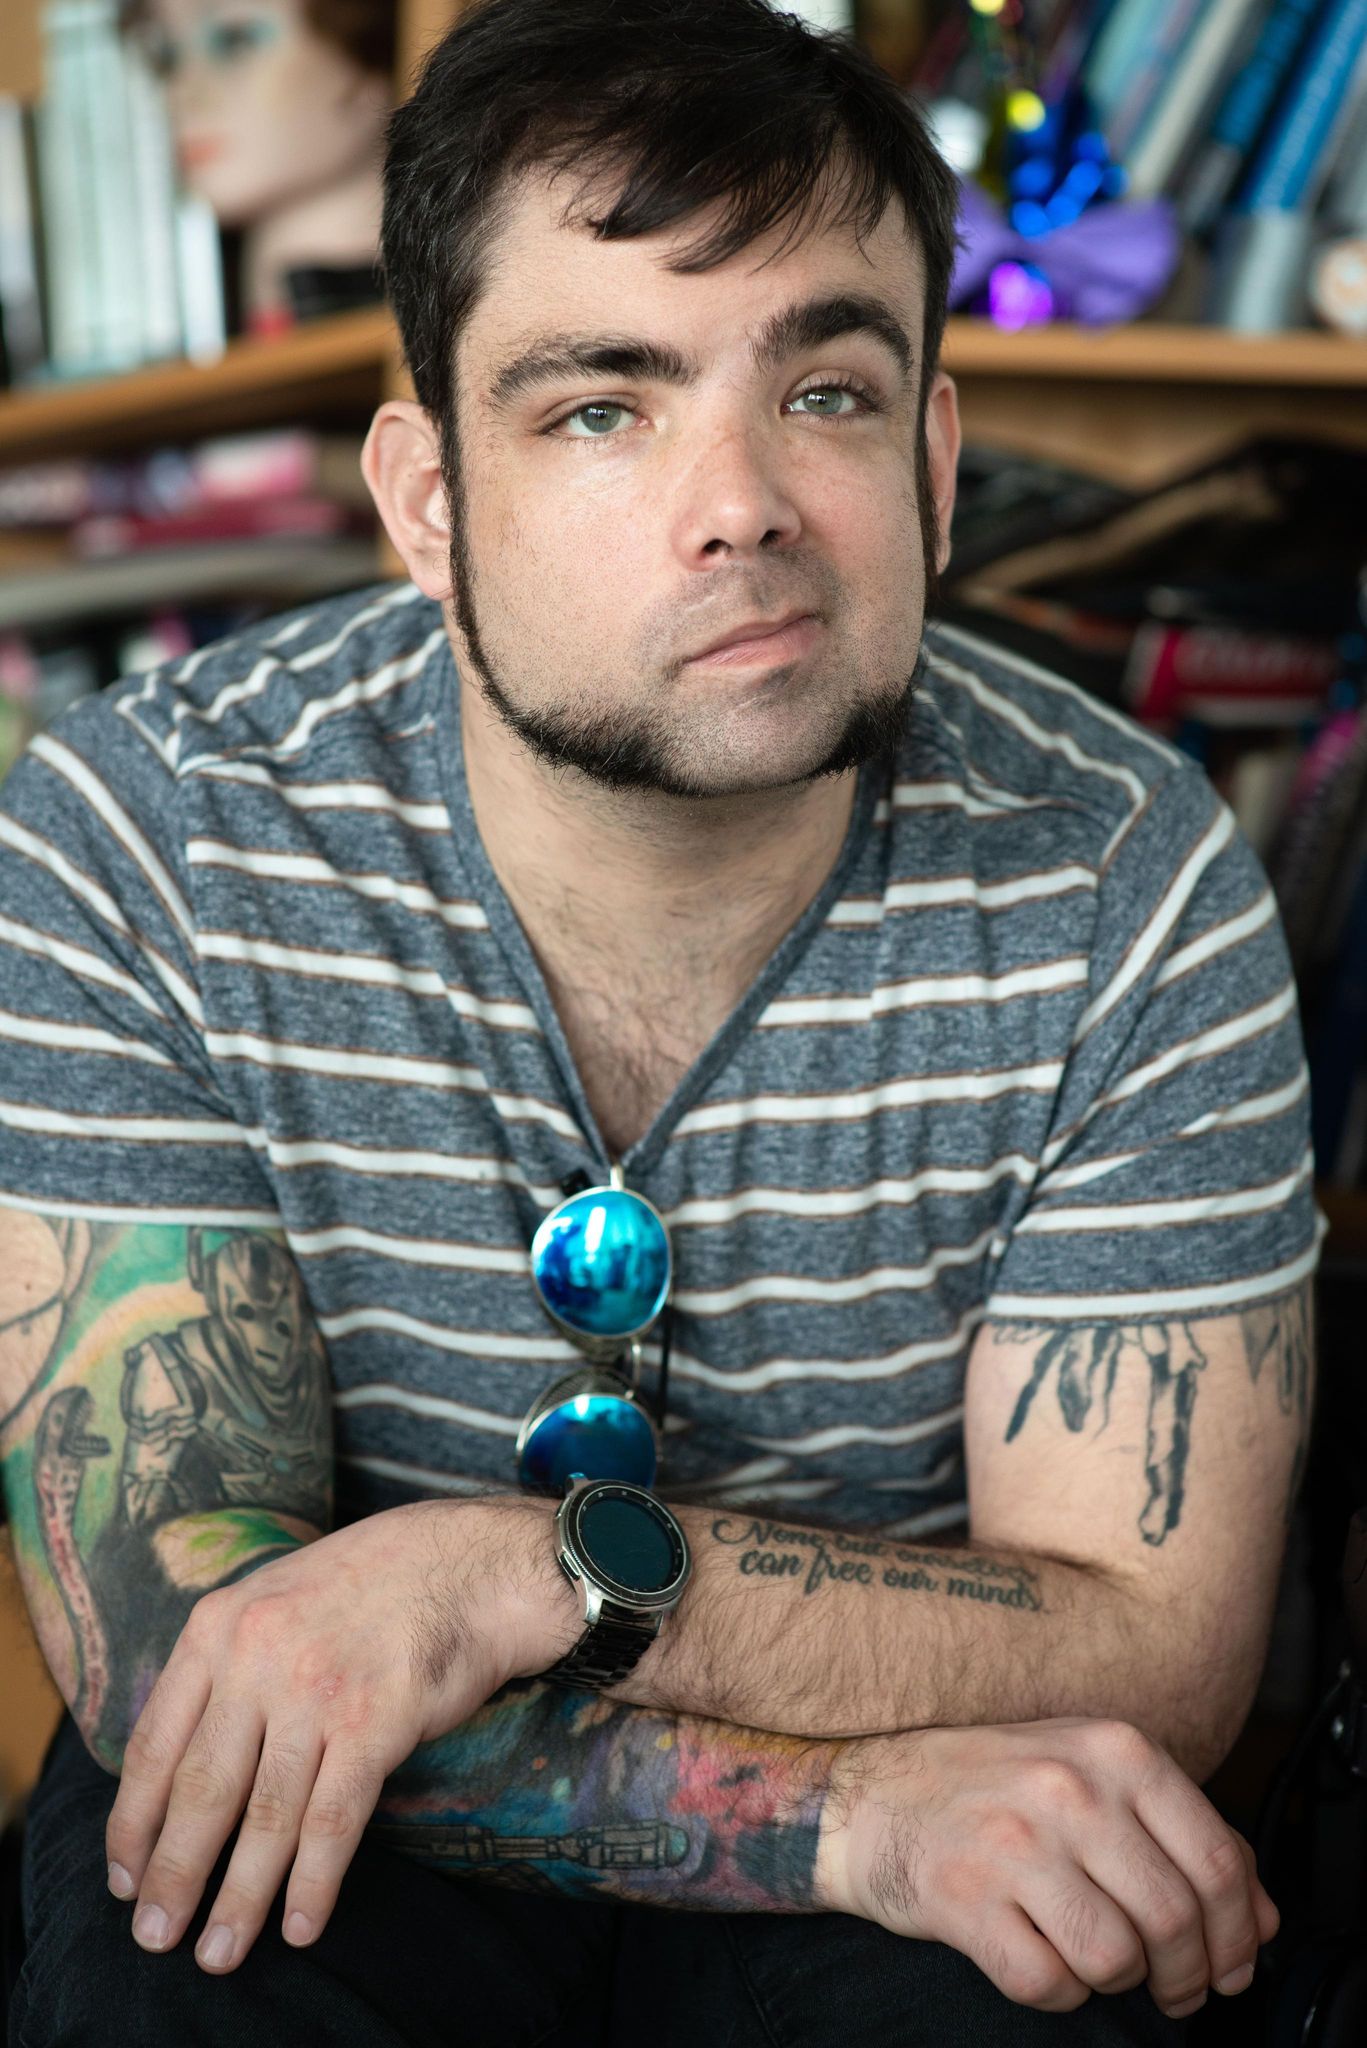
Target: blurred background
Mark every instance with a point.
(1159, 335)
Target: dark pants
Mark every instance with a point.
(411, 1956)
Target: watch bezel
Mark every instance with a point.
(568, 1518)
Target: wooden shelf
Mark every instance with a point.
(1149, 353)
(323, 369)
(1046, 389)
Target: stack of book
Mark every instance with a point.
(104, 263)
(109, 568)
(1226, 610)
(1250, 116)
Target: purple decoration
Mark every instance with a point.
(1107, 265)
(1018, 295)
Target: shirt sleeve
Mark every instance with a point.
(1177, 1178)
(109, 1108)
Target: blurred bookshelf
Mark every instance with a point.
(1139, 400)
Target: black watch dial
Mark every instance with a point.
(627, 1542)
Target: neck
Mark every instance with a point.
(660, 897)
(337, 228)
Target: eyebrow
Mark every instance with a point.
(806, 324)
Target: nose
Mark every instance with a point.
(735, 496)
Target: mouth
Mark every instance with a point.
(757, 644)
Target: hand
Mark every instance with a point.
(1062, 1857)
(295, 1692)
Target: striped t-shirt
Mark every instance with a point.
(1032, 1052)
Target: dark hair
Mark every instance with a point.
(687, 103)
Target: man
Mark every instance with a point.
(942, 1015)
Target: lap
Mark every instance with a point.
(826, 1980)
(412, 1957)
(409, 1957)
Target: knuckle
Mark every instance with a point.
(147, 1749)
(1180, 1991)
(269, 1812)
(202, 1784)
(1056, 1783)
(329, 1819)
(1049, 1986)
(1117, 1966)
(1125, 1747)
(1171, 1917)
(169, 1873)
(1223, 1869)
(1005, 1833)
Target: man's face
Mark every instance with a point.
(650, 460)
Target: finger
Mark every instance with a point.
(161, 1735)
(265, 1847)
(1093, 1936)
(1024, 1965)
(1210, 1856)
(348, 1788)
(1162, 1907)
(1265, 1911)
(208, 1794)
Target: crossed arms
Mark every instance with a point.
(1128, 1497)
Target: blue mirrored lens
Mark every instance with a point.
(600, 1435)
(601, 1262)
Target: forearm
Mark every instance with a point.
(551, 1789)
(826, 1634)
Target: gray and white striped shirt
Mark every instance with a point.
(1032, 1052)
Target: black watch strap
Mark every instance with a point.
(608, 1650)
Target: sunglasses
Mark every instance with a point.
(602, 1268)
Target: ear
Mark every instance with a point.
(943, 437)
(401, 464)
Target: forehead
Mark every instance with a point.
(547, 271)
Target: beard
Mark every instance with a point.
(627, 749)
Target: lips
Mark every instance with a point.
(750, 630)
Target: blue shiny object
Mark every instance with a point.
(601, 1264)
(598, 1434)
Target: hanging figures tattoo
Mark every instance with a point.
(1086, 1360)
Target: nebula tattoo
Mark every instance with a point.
(1087, 1358)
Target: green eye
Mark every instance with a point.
(227, 41)
(596, 413)
(825, 393)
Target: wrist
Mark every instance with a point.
(541, 1612)
(842, 1858)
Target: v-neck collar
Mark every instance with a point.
(639, 1158)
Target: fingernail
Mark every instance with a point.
(297, 1928)
(1179, 2012)
(120, 1883)
(216, 1948)
(151, 1926)
(1237, 1980)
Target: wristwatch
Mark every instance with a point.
(628, 1552)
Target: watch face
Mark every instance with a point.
(625, 1541)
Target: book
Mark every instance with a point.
(1330, 786)
(1292, 166)
(1217, 45)
(22, 347)
(125, 533)
(1170, 28)
(1240, 117)
(281, 462)
(1226, 676)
